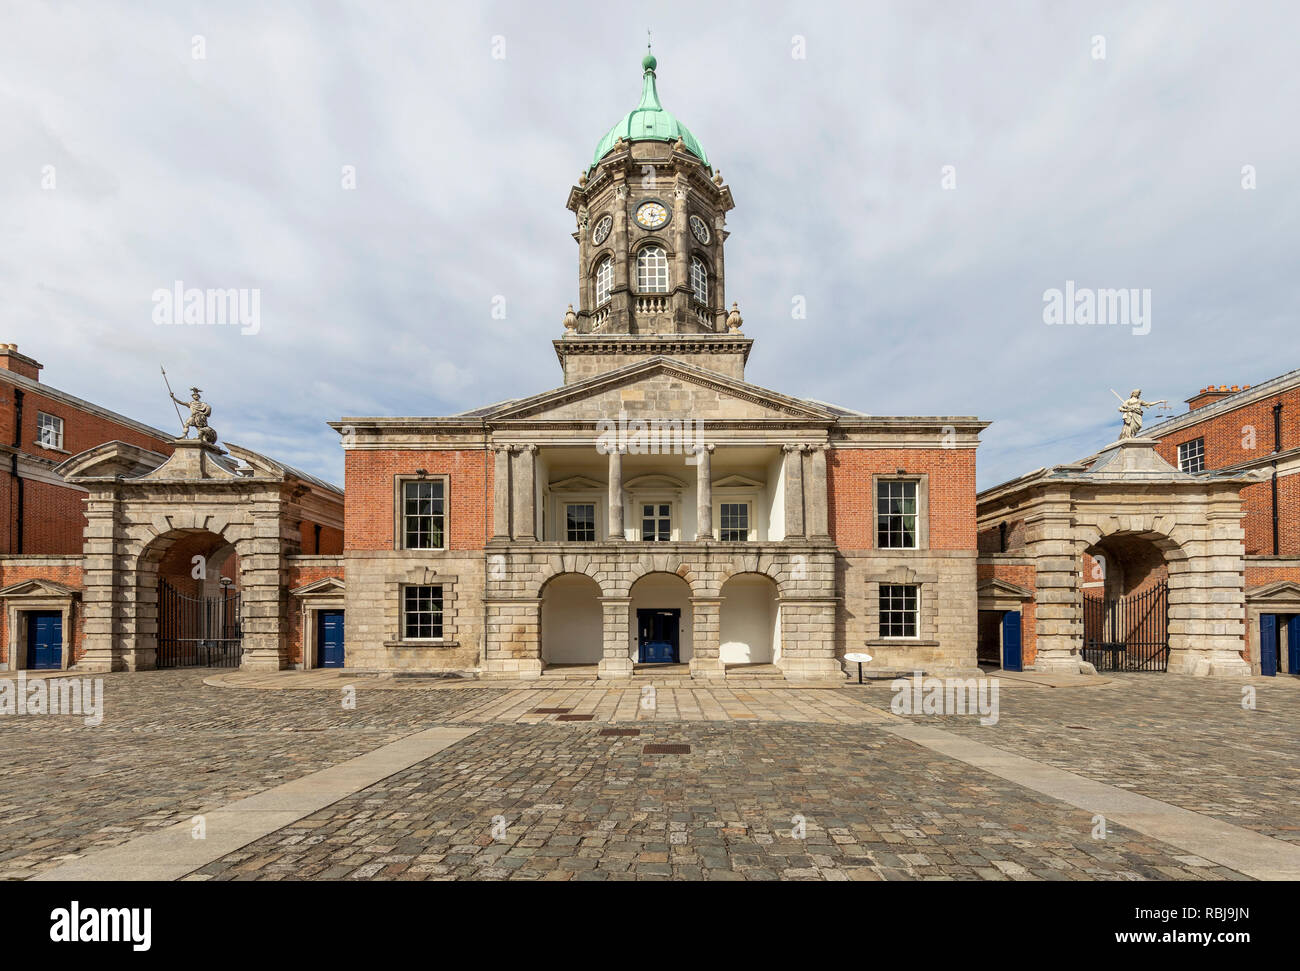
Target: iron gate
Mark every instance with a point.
(198, 631)
(1128, 633)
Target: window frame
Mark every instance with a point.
(751, 531)
(595, 519)
(673, 521)
(922, 532)
(399, 512)
(604, 267)
(57, 446)
(699, 293)
(641, 287)
(882, 610)
(441, 613)
(1199, 455)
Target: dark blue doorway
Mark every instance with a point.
(329, 639)
(44, 640)
(1011, 653)
(1268, 644)
(1293, 644)
(657, 634)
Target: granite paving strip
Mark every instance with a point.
(171, 853)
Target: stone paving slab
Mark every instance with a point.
(553, 802)
(170, 748)
(1181, 740)
(173, 852)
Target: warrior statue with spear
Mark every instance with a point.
(200, 412)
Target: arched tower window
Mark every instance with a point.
(604, 281)
(700, 280)
(652, 270)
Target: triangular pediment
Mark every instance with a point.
(1280, 590)
(37, 588)
(576, 483)
(660, 388)
(319, 587)
(736, 481)
(995, 587)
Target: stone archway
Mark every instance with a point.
(750, 625)
(185, 594)
(572, 621)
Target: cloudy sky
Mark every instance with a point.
(130, 163)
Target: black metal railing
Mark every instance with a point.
(198, 631)
(1128, 633)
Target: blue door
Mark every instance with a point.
(1011, 641)
(1268, 644)
(657, 635)
(1293, 644)
(44, 640)
(329, 639)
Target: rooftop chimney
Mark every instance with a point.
(11, 360)
(1212, 393)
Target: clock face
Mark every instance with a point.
(651, 215)
(700, 229)
(601, 232)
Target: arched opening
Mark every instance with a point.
(572, 621)
(1125, 587)
(750, 625)
(660, 623)
(188, 596)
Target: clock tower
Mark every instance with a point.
(651, 218)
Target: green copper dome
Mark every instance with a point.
(648, 122)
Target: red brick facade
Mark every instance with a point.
(950, 477)
(371, 476)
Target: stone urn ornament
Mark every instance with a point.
(570, 321)
(734, 320)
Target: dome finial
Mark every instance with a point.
(648, 63)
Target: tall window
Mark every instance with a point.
(604, 281)
(49, 430)
(1191, 455)
(422, 613)
(652, 270)
(700, 280)
(733, 522)
(423, 514)
(896, 515)
(580, 522)
(656, 522)
(899, 609)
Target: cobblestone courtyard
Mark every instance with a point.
(777, 782)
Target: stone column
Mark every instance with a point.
(501, 492)
(262, 608)
(703, 492)
(617, 660)
(524, 493)
(1058, 607)
(793, 490)
(815, 497)
(706, 646)
(100, 596)
(616, 493)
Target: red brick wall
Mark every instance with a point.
(53, 519)
(1226, 440)
(370, 494)
(951, 473)
(1258, 576)
(331, 539)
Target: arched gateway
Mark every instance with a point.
(187, 550)
(1133, 563)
